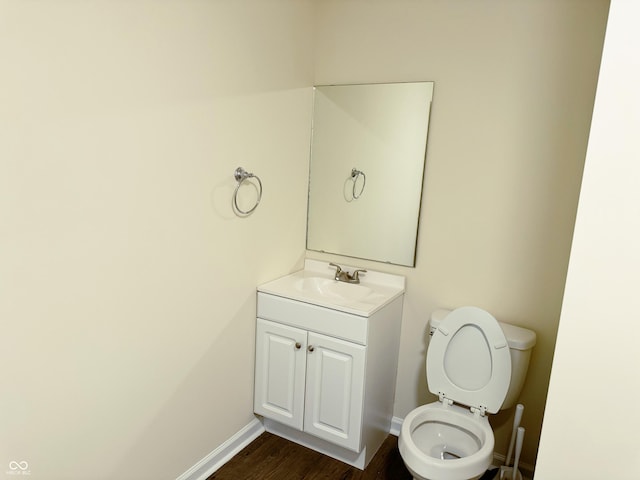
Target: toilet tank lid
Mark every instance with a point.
(518, 338)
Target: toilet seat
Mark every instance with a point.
(468, 361)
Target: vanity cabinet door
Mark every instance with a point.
(281, 358)
(334, 390)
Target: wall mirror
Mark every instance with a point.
(366, 170)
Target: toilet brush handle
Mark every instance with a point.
(517, 418)
(519, 440)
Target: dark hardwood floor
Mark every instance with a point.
(270, 457)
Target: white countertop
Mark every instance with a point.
(316, 285)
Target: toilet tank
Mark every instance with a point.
(521, 341)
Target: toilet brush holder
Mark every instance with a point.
(512, 473)
(506, 473)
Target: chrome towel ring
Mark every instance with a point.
(355, 174)
(241, 175)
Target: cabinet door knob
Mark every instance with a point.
(298, 345)
(311, 348)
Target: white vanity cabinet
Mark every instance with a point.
(326, 378)
(310, 382)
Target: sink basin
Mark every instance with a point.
(332, 288)
(316, 284)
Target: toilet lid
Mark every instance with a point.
(468, 360)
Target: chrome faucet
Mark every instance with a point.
(344, 276)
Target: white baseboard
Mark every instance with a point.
(396, 425)
(525, 468)
(221, 455)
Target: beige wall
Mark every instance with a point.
(514, 90)
(595, 386)
(127, 285)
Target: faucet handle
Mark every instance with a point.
(338, 267)
(356, 274)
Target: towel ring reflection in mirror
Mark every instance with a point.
(355, 174)
(241, 175)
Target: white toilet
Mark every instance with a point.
(476, 366)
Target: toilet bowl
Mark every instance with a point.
(469, 368)
(457, 443)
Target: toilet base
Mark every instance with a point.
(474, 478)
(477, 477)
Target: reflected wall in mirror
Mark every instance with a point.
(367, 164)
